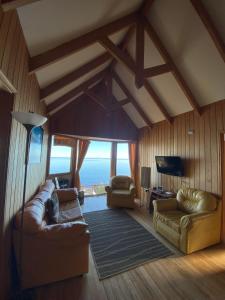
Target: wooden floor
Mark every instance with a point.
(198, 276)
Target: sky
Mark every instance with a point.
(96, 150)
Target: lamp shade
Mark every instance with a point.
(145, 177)
(29, 118)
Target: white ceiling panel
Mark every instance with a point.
(134, 115)
(49, 23)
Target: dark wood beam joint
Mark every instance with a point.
(140, 45)
(157, 70)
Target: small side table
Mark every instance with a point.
(158, 194)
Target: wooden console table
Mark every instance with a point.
(158, 194)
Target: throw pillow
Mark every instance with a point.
(52, 206)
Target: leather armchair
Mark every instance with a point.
(120, 192)
(190, 222)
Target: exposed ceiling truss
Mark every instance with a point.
(13, 4)
(137, 22)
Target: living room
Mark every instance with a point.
(112, 127)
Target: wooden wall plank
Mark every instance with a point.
(14, 66)
(201, 151)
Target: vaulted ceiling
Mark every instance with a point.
(159, 58)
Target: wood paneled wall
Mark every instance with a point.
(14, 65)
(84, 117)
(201, 151)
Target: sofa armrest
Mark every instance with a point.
(165, 204)
(189, 221)
(65, 195)
(63, 232)
(132, 189)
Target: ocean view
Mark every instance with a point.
(93, 171)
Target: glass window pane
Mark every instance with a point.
(60, 159)
(95, 170)
(122, 162)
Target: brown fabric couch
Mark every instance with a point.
(120, 192)
(52, 252)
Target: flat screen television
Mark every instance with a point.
(170, 165)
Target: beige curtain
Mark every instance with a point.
(81, 152)
(113, 159)
(133, 159)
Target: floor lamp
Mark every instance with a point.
(29, 120)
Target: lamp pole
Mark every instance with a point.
(29, 120)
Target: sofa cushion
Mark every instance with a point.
(121, 192)
(48, 186)
(121, 182)
(171, 218)
(33, 216)
(52, 206)
(69, 211)
(43, 196)
(65, 195)
(195, 201)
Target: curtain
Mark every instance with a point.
(113, 159)
(81, 152)
(133, 159)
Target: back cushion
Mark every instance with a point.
(48, 186)
(195, 201)
(33, 216)
(52, 205)
(121, 182)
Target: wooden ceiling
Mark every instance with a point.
(158, 58)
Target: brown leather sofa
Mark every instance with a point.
(52, 252)
(190, 222)
(120, 192)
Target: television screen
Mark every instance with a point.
(36, 145)
(170, 165)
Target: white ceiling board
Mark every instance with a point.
(62, 67)
(51, 98)
(59, 69)
(49, 23)
(152, 57)
(171, 95)
(141, 95)
(192, 49)
(134, 115)
(117, 92)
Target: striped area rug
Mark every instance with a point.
(120, 243)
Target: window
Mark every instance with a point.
(95, 170)
(60, 159)
(122, 162)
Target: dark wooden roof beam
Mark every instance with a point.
(168, 59)
(14, 4)
(140, 54)
(75, 92)
(118, 54)
(131, 98)
(96, 99)
(74, 75)
(157, 70)
(210, 27)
